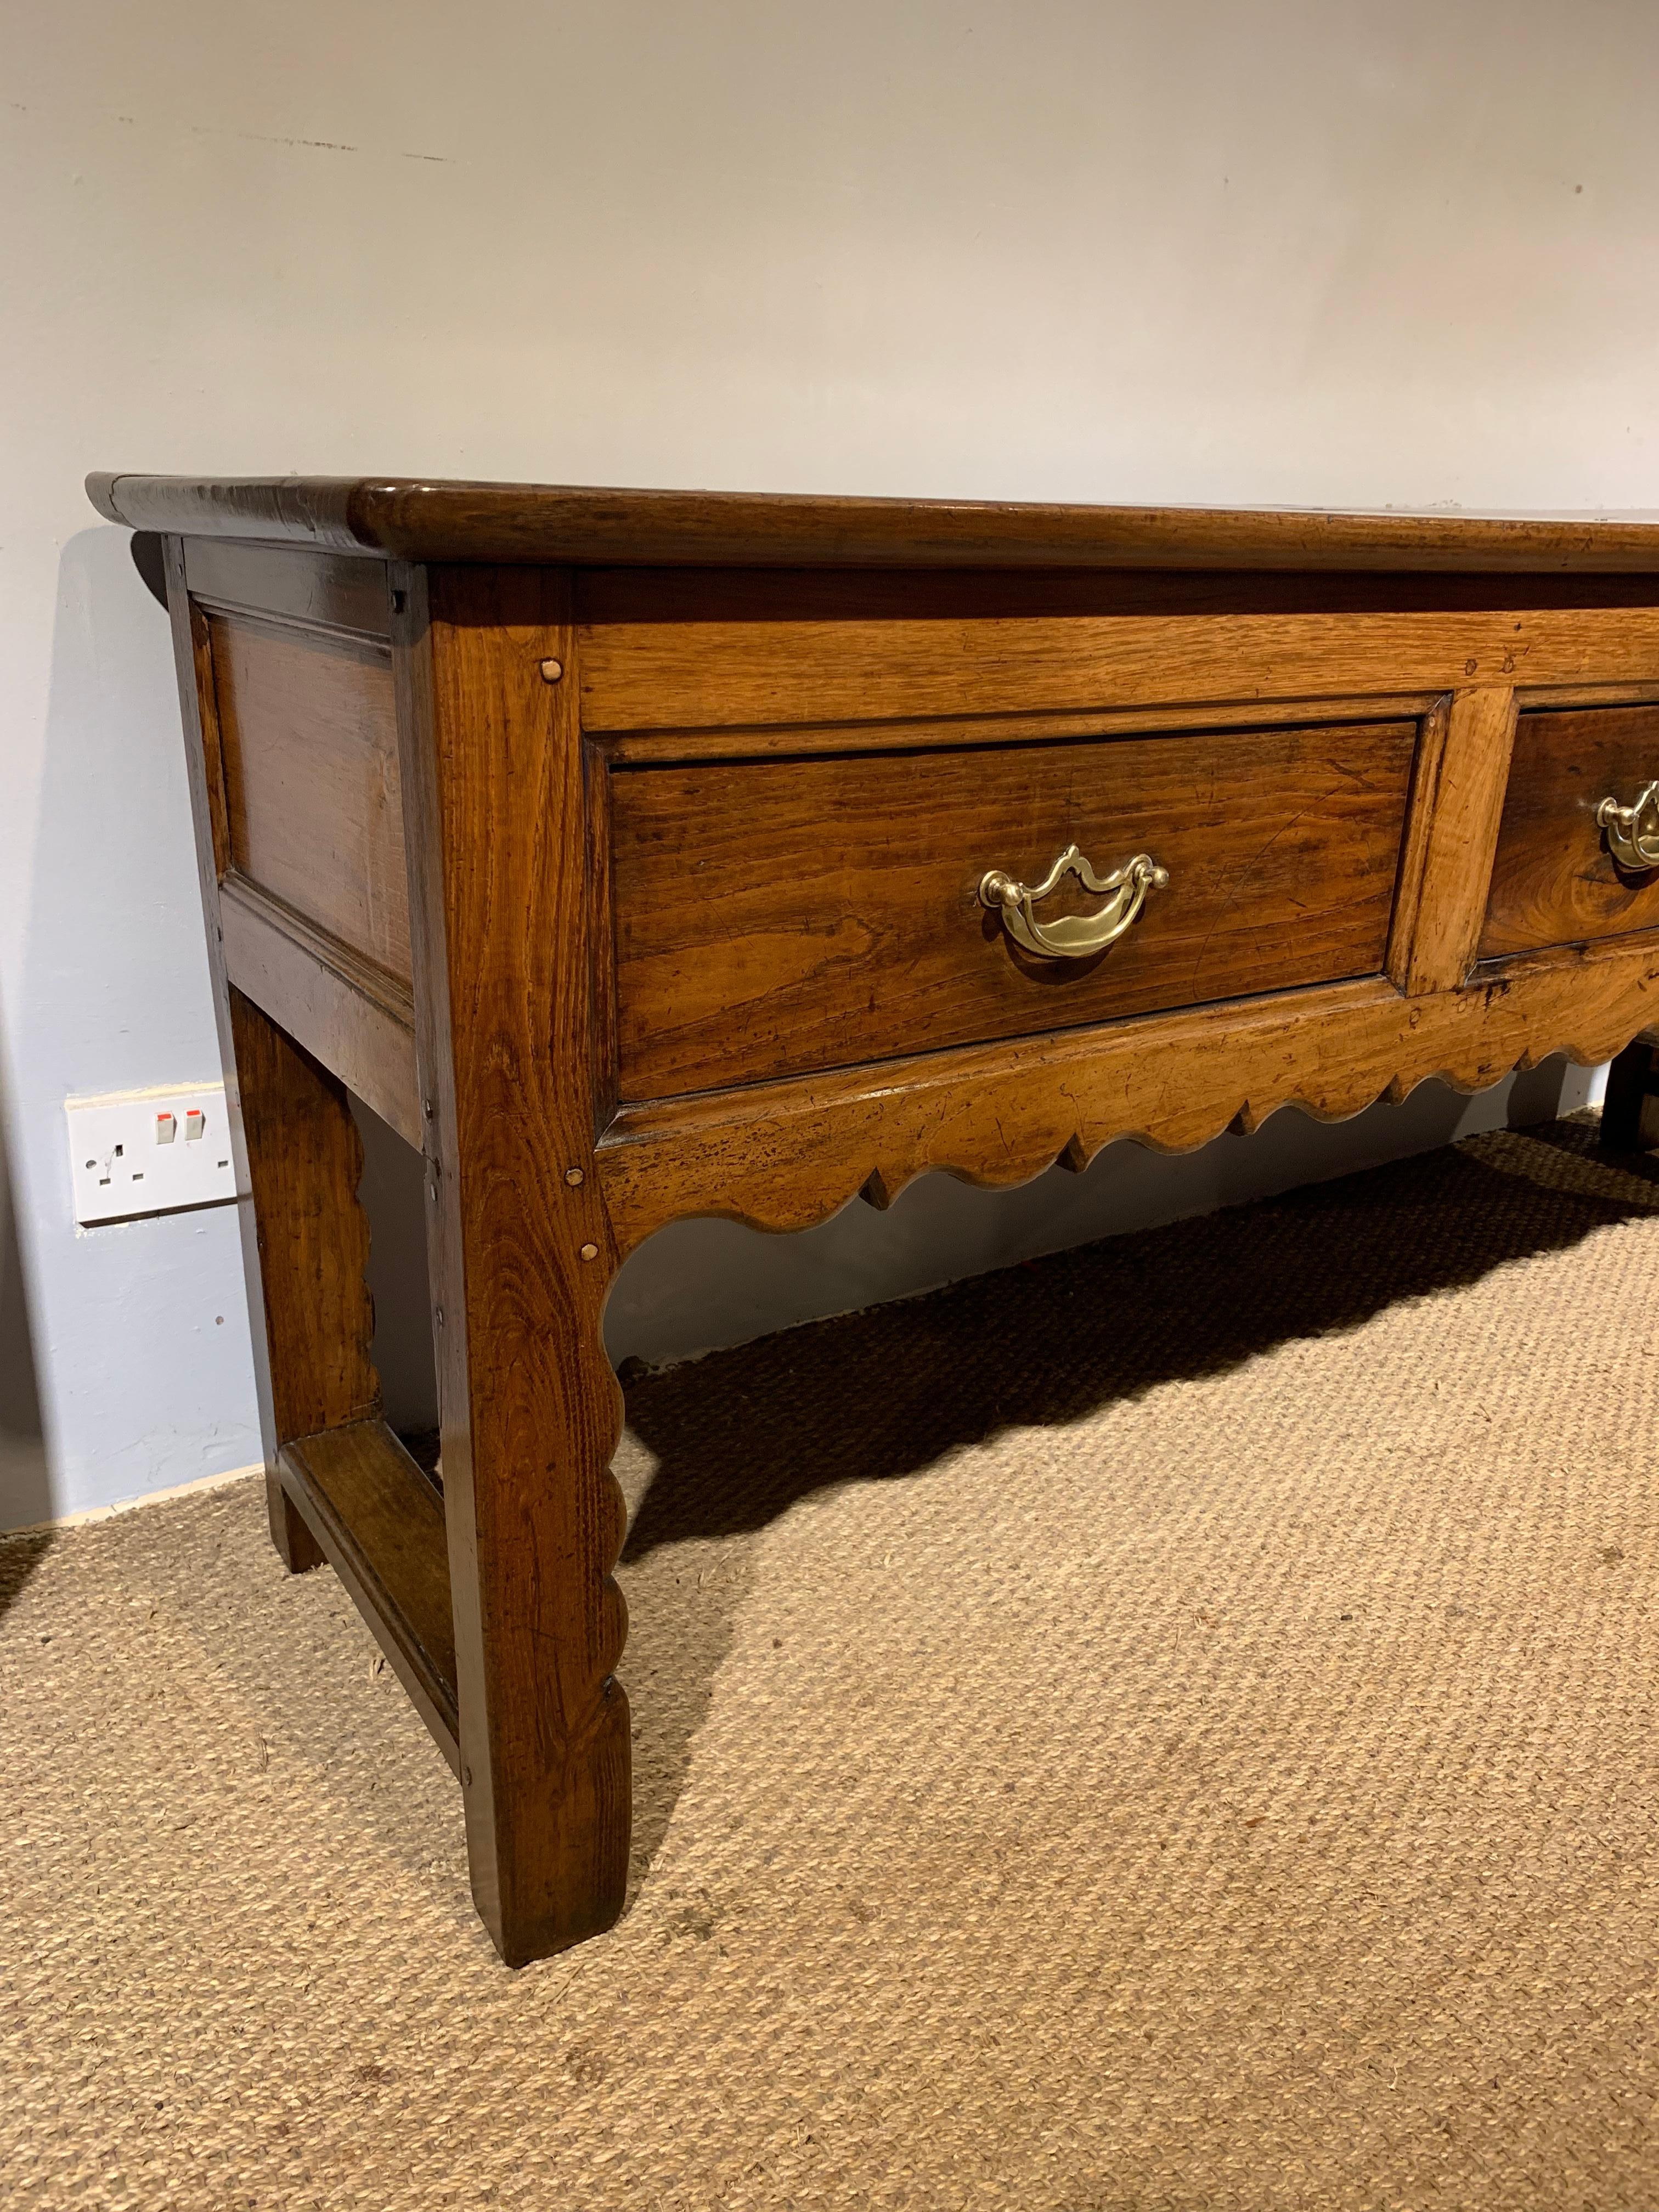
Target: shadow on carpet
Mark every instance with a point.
(740, 1436)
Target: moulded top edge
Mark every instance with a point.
(410, 518)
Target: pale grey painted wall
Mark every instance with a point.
(1307, 251)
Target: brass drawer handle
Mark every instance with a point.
(1074, 935)
(1632, 845)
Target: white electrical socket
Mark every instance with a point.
(149, 1151)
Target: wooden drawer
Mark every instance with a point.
(777, 916)
(1555, 880)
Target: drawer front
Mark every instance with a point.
(777, 916)
(1555, 880)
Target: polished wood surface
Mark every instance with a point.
(1554, 881)
(348, 1014)
(1408, 913)
(295, 773)
(688, 861)
(777, 916)
(305, 1239)
(281, 583)
(308, 748)
(522, 1252)
(413, 520)
(1460, 797)
(957, 733)
(679, 676)
(786, 1156)
(379, 1522)
(659, 598)
(303, 1161)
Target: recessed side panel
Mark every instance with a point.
(307, 734)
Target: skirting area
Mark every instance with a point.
(1172, 1725)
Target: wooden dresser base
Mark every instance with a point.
(626, 853)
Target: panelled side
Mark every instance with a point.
(294, 673)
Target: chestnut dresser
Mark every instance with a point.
(641, 854)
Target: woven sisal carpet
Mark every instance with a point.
(1172, 1726)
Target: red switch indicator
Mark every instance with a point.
(195, 1121)
(166, 1128)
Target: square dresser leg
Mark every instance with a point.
(1630, 1112)
(521, 1249)
(536, 1522)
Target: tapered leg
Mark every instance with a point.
(502, 901)
(1630, 1112)
(314, 1318)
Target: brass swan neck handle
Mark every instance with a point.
(1072, 935)
(1633, 830)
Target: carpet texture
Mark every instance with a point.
(1170, 1726)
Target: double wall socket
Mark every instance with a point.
(149, 1151)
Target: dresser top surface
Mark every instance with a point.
(408, 518)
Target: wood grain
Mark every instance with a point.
(1553, 880)
(775, 917)
(313, 1314)
(318, 590)
(305, 1239)
(307, 734)
(1419, 826)
(530, 1412)
(607, 598)
(786, 1156)
(353, 1016)
(704, 675)
(305, 1162)
(956, 733)
(413, 519)
(758, 862)
(380, 1525)
(203, 749)
(1455, 806)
